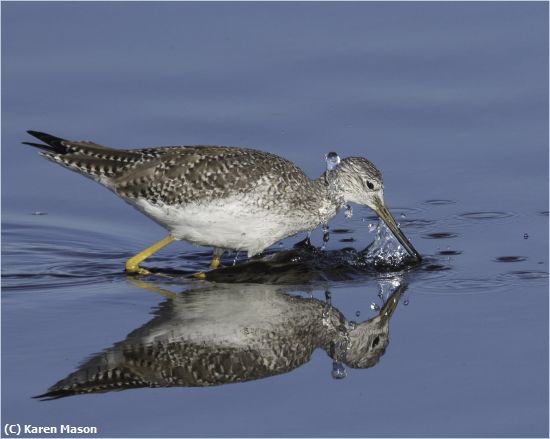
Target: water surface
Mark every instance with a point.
(449, 100)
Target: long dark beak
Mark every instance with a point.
(382, 211)
(390, 305)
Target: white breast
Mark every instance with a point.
(229, 223)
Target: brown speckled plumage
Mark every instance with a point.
(178, 174)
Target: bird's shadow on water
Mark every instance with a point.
(217, 334)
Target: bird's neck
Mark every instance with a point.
(329, 197)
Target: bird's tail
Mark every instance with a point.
(51, 143)
(90, 159)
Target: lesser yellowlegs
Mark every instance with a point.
(223, 197)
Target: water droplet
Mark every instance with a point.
(357, 313)
(375, 306)
(236, 258)
(349, 211)
(38, 212)
(325, 314)
(332, 160)
(326, 236)
(338, 370)
(406, 302)
(525, 236)
(403, 215)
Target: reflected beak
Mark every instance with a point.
(382, 211)
(391, 304)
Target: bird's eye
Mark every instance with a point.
(370, 184)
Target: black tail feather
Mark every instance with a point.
(48, 396)
(51, 143)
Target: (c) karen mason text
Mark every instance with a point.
(24, 429)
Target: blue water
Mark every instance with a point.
(448, 99)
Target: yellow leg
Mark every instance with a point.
(150, 287)
(216, 260)
(132, 264)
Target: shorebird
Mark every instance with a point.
(227, 198)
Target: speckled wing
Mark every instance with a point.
(190, 174)
(179, 174)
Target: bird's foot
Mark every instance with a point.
(136, 269)
(200, 275)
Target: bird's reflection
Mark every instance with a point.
(229, 333)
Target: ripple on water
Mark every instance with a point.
(419, 223)
(341, 231)
(449, 252)
(464, 286)
(347, 240)
(435, 267)
(439, 202)
(510, 259)
(485, 216)
(440, 235)
(526, 275)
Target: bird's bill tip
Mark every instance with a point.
(383, 212)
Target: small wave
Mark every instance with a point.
(449, 252)
(439, 202)
(526, 275)
(463, 286)
(440, 235)
(485, 216)
(341, 231)
(510, 259)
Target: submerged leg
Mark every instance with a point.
(132, 264)
(216, 260)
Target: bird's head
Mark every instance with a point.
(356, 180)
(369, 340)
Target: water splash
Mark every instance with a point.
(385, 251)
(386, 287)
(338, 370)
(348, 212)
(333, 160)
(326, 309)
(326, 236)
